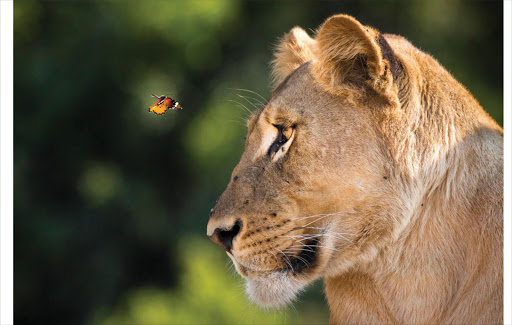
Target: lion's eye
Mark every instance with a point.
(284, 134)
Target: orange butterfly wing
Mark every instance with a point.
(160, 106)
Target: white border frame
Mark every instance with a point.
(6, 162)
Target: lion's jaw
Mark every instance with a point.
(279, 287)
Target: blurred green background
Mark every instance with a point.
(111, 202)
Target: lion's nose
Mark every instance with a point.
(224, 237)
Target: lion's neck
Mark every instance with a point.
(434, 137)
(426, 271)
(435, 112)
(441, 260)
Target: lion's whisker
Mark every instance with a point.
(312, 245)
(241, 105)
(241, 89)
(238, 122)
(305, 236)
(320, 228)
(256, 100)
(293, 249)
(318, 215)
(327, 230)
(326, 234)
(286, 259)
(277, 260)
(303, 260)
(323, 217)
(247, 100)
(300, 258)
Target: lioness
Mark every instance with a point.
(372, 167)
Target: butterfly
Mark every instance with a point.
(163, 104)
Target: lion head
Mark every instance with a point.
(332, 169)
(313, 165)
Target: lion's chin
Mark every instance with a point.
(273, 290)
(269, 289)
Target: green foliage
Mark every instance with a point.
(207, 143)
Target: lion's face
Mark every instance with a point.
(309, 164)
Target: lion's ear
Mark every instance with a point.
(349, 52)
(293, 50)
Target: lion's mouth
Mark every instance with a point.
(295, 264)
(306, 258)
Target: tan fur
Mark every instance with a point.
(400, 177)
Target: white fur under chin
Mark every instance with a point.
(273, 290)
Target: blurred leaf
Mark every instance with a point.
(100, 183)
